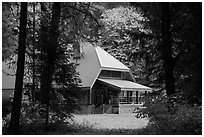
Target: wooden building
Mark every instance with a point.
(108, 86)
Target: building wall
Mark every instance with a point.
(85, 109)
(83, 97)
(84, 103)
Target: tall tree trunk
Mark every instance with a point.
(167, 55)
(33, 86)
(16, 108)
(44, 58)
(167, 50)
(53, 42)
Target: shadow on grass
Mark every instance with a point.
(72, 129)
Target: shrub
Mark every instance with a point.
(6, 107)
(187, 120)
(32, 119)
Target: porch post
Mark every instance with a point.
(102, 103)
(145, 94)
(128, 97)
(145, 98)
(137, 101)
(89, 96)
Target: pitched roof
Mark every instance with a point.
(89, 66)
(93, 61)
(108, 61)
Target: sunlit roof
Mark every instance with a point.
(108, 61)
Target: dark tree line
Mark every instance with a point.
(177, 41)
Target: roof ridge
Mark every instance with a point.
(97, 55)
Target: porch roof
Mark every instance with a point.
(125, 85)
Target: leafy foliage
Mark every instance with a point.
(187, 120)
(127, 37)
(10, 23)
(6, 107)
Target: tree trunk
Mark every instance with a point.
(16, 108)
(167, 50)
(33, 86)
(167, 55)
(44, 36)
(52, 48)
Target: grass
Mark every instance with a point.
(76, 129)
(108, 124)
(186, 121)
(89, 125)
(112, 121)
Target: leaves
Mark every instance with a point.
(10, 23)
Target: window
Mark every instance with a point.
(116, 74)
(108, 73)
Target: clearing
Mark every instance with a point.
(111, 121)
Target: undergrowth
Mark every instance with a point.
(186, 120)
(71, 129)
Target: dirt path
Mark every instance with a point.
(111, 121)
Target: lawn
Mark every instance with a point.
(111, 121)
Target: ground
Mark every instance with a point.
(111, 121)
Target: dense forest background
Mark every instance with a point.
(160, 42)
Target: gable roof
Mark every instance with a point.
(93, 60)
(108, 61)
(89, 66)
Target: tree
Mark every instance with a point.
(16, 108)
(58, 75)
(39, 60)
(127, 37)
(185, 30)
(49, 66)
(167, 50)
(167, 55)
(147, 57)
(52, 47)
(33, 57)
(9, 29)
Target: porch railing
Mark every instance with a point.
(125, 100)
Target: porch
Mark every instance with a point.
(117, 96)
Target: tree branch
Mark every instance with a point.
(86, 13)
